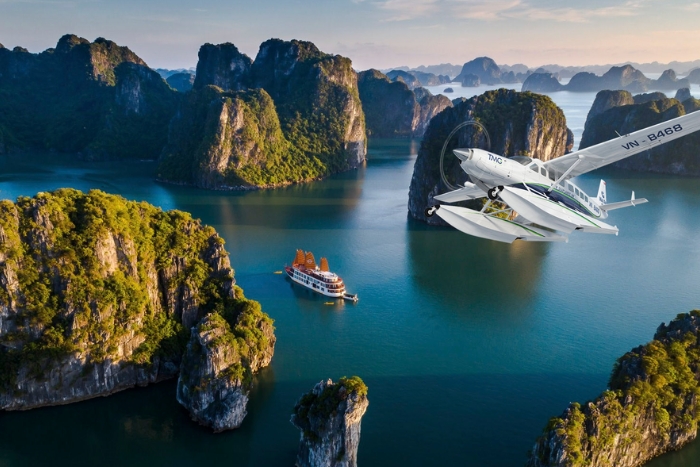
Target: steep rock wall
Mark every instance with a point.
(97, 294)
(223, 66)
(222, 355)
(651, 406)
(329, 418)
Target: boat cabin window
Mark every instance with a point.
(543, 171)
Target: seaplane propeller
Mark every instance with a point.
(430, 210)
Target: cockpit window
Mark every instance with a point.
(523, 160)
(533, 167)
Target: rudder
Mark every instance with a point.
(602, 196)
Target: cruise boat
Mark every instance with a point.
(318, 278)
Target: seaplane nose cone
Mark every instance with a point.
(463, 154)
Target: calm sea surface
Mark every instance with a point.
(468, 346)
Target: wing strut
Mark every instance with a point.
(563, 176)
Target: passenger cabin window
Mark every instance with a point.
(552, 176)
(543, 171)
(577, 192)
(585, 197)
(569, 186)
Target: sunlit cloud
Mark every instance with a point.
(485, 10)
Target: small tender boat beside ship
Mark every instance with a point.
(318, 278)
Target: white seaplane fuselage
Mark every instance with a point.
(540, 194)
(493, 170)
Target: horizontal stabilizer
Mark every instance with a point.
(624, 204)
(470, 191)
(491, 227)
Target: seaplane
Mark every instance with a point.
(537, 201)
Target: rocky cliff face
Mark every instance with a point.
(518, 124)
(136, 121)
(429, 106)
(391, 109)
(222, 355)
(301, 80)
(97, 294)
(229, 139)
(329, 418)
(224, 66)
(59, 99)
(677, 157)
(304, 120)
(651, 407)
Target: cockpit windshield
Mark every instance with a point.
(523, 160)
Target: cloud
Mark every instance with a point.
(485, 10)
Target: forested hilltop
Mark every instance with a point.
(650, 407)
(96, 98)
(99, 294)
(293, 114)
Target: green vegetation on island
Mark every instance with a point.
(80, 96)
(93, 281)
(650, 407)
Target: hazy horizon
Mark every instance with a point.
(374, 33)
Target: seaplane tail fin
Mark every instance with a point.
(602, 194)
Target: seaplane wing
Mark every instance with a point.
(594, 157)
(469, 191)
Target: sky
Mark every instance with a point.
(373, 33)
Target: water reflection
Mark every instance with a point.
(466, 271)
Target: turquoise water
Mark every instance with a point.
(468, 346)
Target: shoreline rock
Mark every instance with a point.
(97, 295)
(651, 406)
(329, 418)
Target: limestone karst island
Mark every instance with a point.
(160, 165)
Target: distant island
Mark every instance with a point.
(650, 407)
(619, 112)
(623, 77)
(99, 294)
